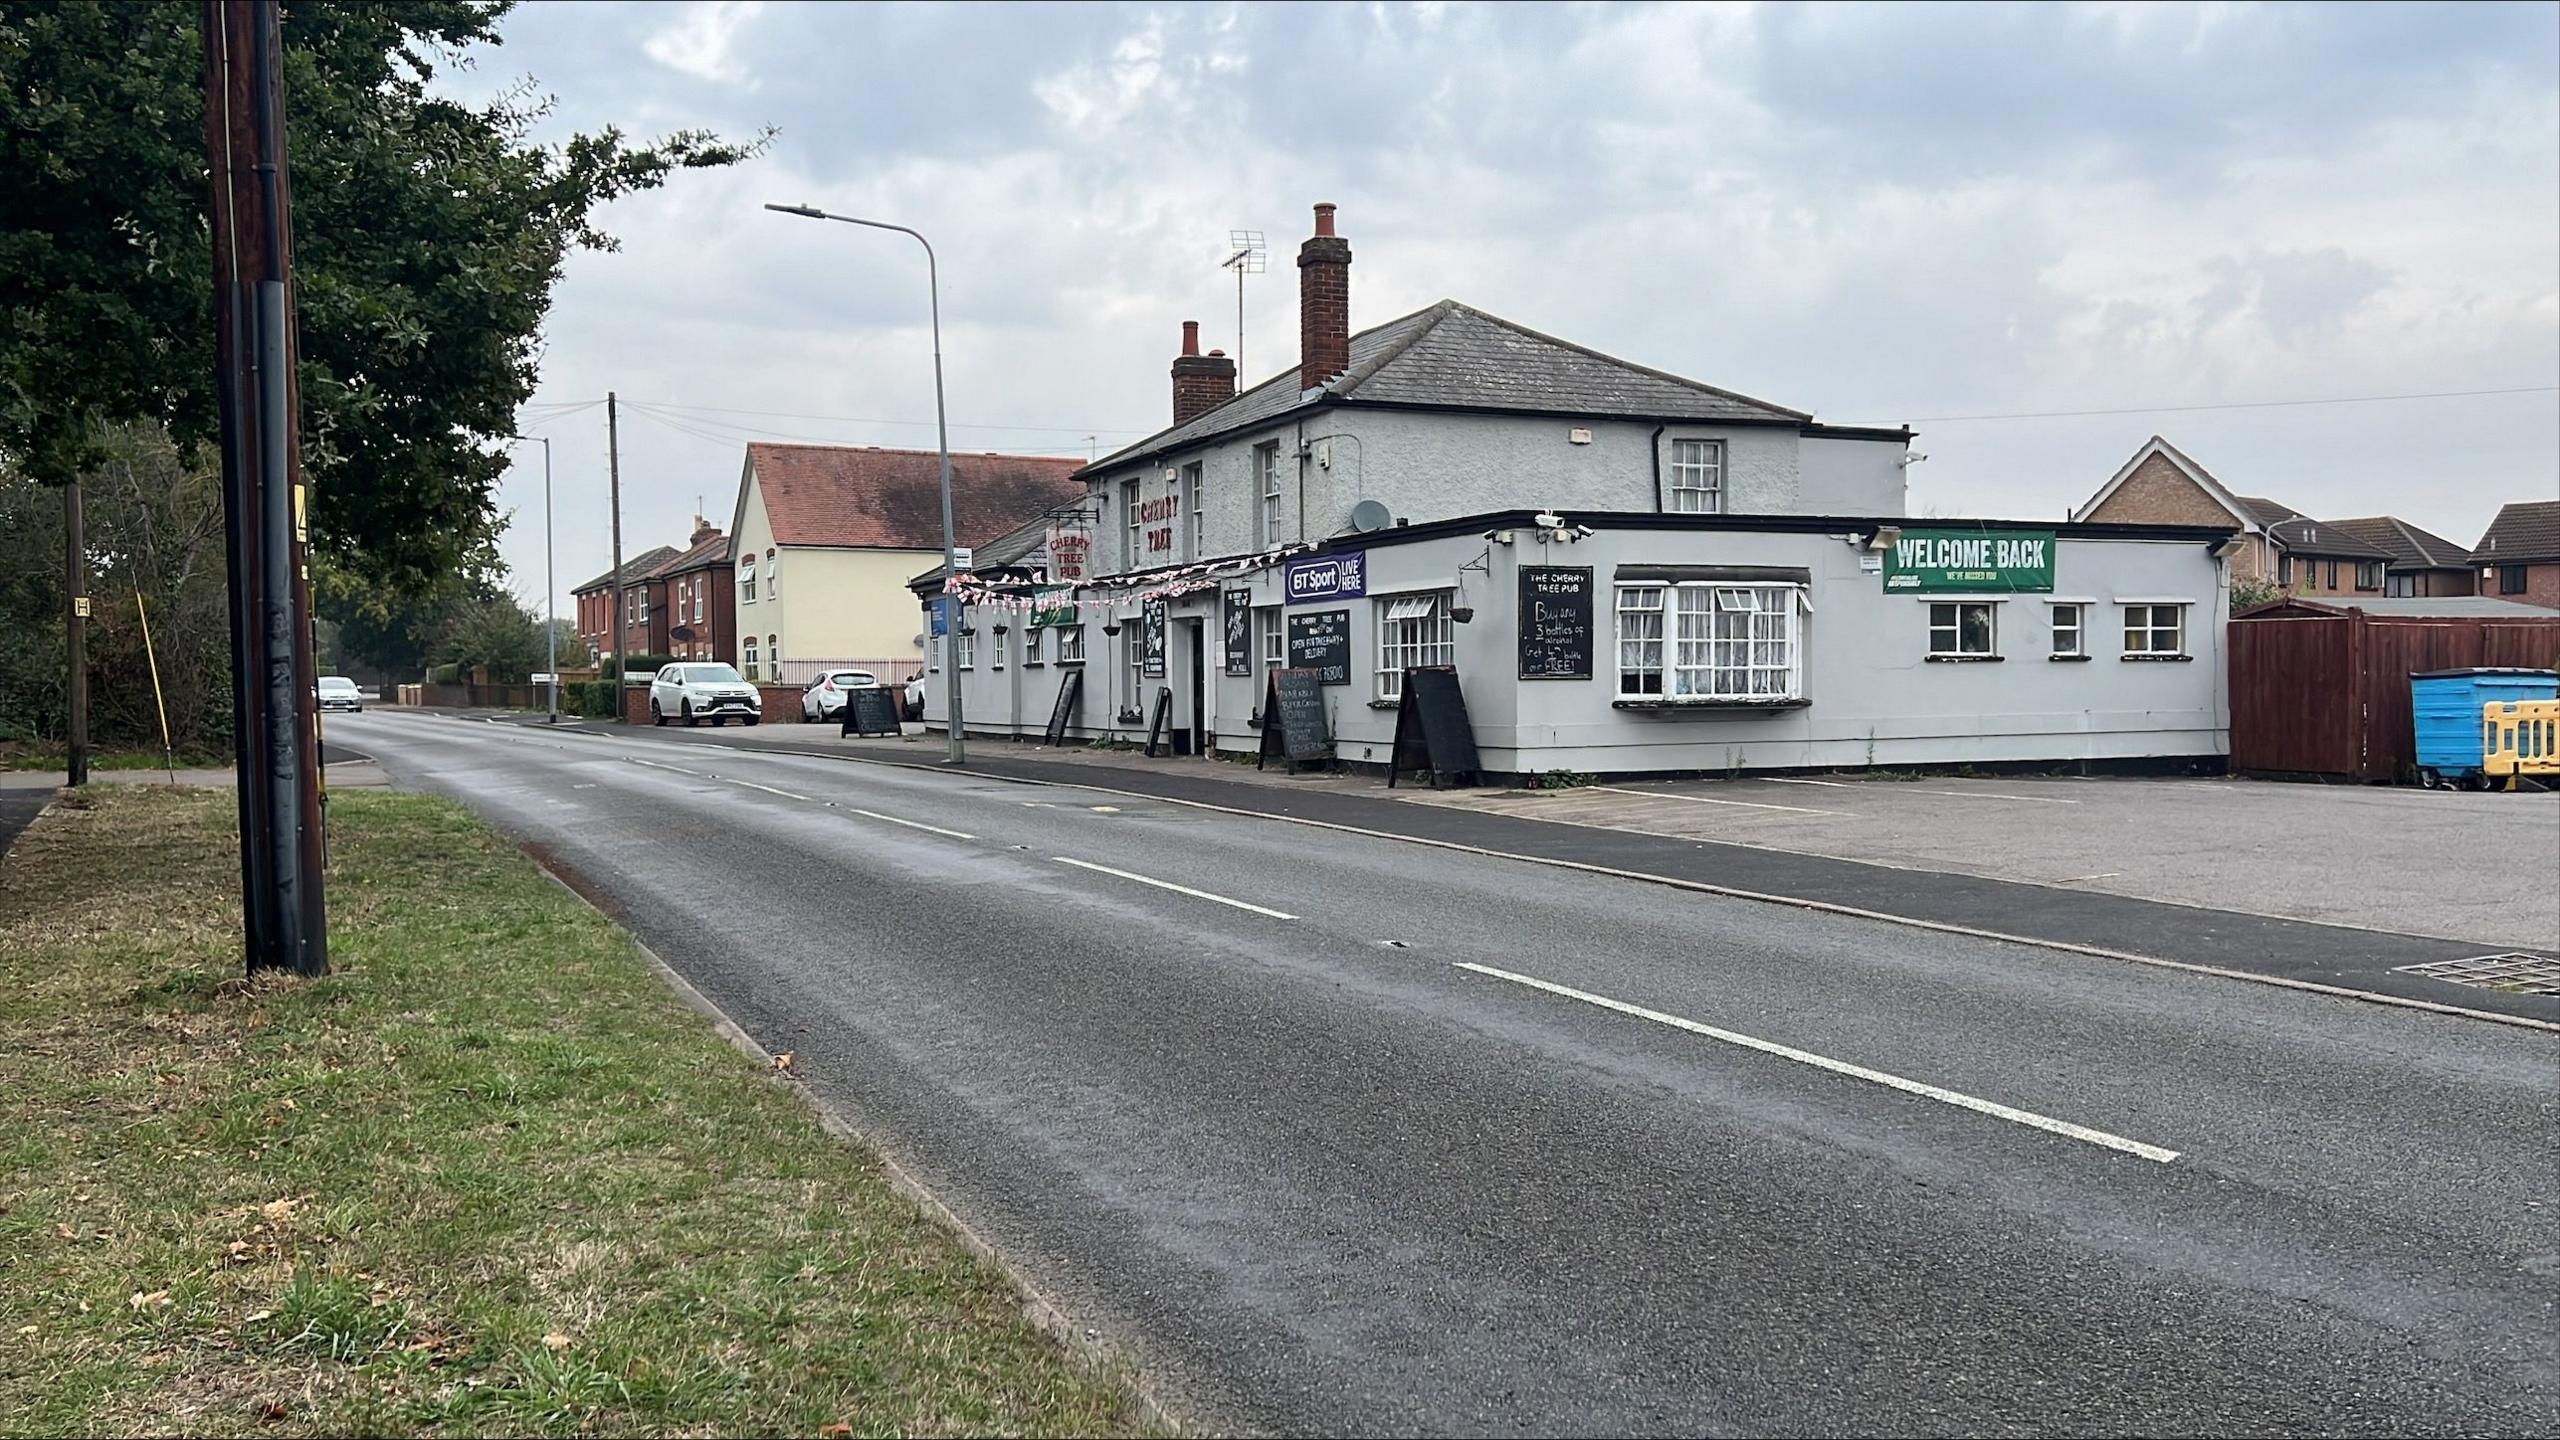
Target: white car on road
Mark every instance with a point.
(694, 693)
(825, 699)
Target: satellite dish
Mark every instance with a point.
(1369, 515)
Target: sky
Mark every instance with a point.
(1889, 214)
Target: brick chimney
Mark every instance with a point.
(703, 530)
(1201, 383)
(1324, 303)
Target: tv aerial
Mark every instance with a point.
(1246, 255)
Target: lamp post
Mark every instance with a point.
(550, 587)
(942, 427)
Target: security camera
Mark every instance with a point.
(1547, 521)
(1583, 532)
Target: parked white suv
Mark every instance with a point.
(695, 693)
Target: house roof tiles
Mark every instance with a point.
(639, 567)
(866, 497)
(1454, 355)
(2406, 544)
(2524, 531)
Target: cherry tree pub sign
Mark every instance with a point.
(1327, 577)
(1936, 562)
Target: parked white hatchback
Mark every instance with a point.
(825, 699)
(695, 693)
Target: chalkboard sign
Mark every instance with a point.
(1156, 724)
(1321, 642)
(1239, 623)
(1070, 690)
(1555, 623)
(1293, 720)
(870, 711)
(1432, 730)
(1151, 629)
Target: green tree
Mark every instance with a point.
(429, 235)
(491, 631)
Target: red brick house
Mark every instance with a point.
(2423, 565)
(701, 598)
(2519, 554)
(2280, 546)
(643, 629)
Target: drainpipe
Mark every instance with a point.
(1656, 448)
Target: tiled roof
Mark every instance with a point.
(2303, 535)
(864, 496)
(2525, 530)
(2267, 512)
(2406, 544)
(2482, 607)
(714, 550)
(635, 569)
(1453, 354)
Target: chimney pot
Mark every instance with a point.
(1324, 217)
(1190, 337)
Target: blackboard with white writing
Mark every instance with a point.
(1151, 631)
(1239, 627)
(870, 711)
(1321, 642)
(1555, 623)
(1293, 719)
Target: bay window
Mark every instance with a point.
(1697, 640)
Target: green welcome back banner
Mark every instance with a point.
(2008, 562)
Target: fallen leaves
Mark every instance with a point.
(153, 1300)
(838, 1428)
(784, 1060)
(555, 1342)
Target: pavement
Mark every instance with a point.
(1337, 1132)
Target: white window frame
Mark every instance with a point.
(2142, 638)
(1071, 644)
(750, 657)
(1132, 532)
(2078, 629)
(1133, 661)
(773, 658)
(1694, 478)
(968, 647)
(747, 582)
(1701, 640)
(1412, 630)
(1032, 644)
(1954, 628)
(701, 589)
(1271, 641)
(1198, 529)
(1266, 481)
(773, 574)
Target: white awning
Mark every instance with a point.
(1411, 607)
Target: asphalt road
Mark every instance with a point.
(1353, 1135)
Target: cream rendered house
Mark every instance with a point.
(827, 537)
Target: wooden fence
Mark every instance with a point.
(2328, 694)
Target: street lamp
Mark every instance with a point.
(942, 426)
(550, 587)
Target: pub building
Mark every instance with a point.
(1626, 571)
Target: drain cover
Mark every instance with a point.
(2516, 972)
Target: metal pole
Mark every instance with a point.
(550, 586)
(957, 752)
(75, 630)
(613, 472)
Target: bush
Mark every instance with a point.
(588, 697)
(643, 664)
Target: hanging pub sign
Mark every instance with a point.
(1056, 606)
(1236, 614)
(1151, 629)
(1327, 577)
(1555, 622)
(1070, 552)
(1970, 562)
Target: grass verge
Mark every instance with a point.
(489, 1177)
(24, 757)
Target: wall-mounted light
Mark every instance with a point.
(2229, 548)
(1884, 538)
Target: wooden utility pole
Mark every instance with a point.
(75, 630)
(613, 479)
(275, 725)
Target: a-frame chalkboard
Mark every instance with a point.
(1070, 690)
(1293, 720)
(1432, 730)
(1157, 722)
(871, 710)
